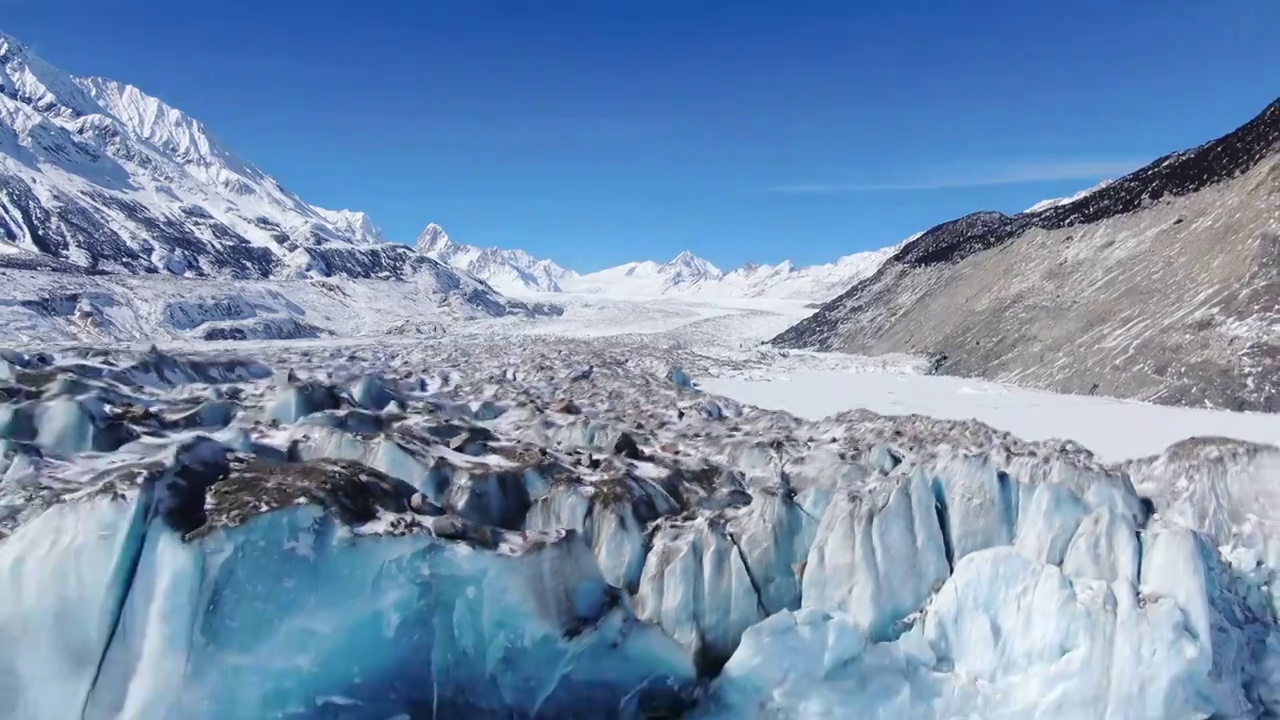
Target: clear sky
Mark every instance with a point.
(596, 132)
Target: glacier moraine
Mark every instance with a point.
(519, 528)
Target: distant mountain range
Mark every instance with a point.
(518, 272)
(505, 270)
(1162, 285)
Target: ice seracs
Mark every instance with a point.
(491, 528)
(50, 305)
(478, 525)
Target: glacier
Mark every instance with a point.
(293, 613)
(475, 527)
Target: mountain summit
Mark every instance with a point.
(687, 268)
(435, 240)
(97, 175)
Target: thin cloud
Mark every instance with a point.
(1007, 175)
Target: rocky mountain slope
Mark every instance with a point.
(1163, 285)
(516, 271)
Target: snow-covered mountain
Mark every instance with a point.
(516, 271)
(98, 177)
(814, 282)
(505, 270)
(1161, 285)
(98, 174)
(688, 274)
(356, 225)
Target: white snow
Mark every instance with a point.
(506, 270)
(1004, 638)
(1113, 429)
(97, 173)
(57, 307)
(1056, 202)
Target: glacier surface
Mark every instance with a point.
(476, 527)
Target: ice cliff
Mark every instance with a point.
(494, 529)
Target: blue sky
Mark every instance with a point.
(596, 132)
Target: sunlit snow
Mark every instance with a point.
(1113, 429)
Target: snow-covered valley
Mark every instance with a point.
(580, 516)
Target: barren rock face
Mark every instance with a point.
(1162, 286)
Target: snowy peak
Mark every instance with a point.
(434, 240)
(515, 271)
(688, 274)
(506, 270)
(687, 268)
(357, 225)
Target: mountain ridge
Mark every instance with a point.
(504, 270)
(517, 271)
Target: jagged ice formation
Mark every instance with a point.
(497, 529)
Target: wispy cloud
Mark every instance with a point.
(1009, 174)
